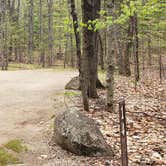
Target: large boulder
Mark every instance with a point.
(75, 84)
(77, 133)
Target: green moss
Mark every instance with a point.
(16, 146)
(7, 158)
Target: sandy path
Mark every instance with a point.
(26, 103)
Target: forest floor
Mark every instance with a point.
(30, 98)
(146, 120)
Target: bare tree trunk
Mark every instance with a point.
(30, 44)
(143, 55)
(77, 34)
(42, 56)
(101, 52)
(18, 25)
(160, 61)
(84, 64)
(105, 34)
(117, 35)
(127, 70)
(71, 51)
(4, 53)
(149, 52)
(66, 51)
(50, 30)
(110, 62)
(135, 48)
(10, 7)
(5, 46)
(14, 13)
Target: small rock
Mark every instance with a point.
(44, 156)
(156, 155)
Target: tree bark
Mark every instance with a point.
(110, 62)
(4, 53)
(30, 44)
(127, 70)
(117, 35)
(135, 47)
(101, 52)
(77, 34)
(90, 12)
(149, 52)
(42, 56)
(50, 30)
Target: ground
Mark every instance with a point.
(30, 98)
(26, 106)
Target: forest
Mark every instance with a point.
(83, 82)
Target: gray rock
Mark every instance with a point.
(79, 134)
(75, 84)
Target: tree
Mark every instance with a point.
(77, 34)
(31, 42)
(42, 56)
(3, 23)
(50, 30)
(90, 14)
(135, 47)
(110, 59)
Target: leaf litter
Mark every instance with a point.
(146, 122)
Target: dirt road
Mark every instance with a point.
(26, 103)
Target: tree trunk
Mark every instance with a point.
(42, 56)
(90, 12)
(30, 44)
(110, 62)
(50, 30)
(101, 51)
(160, 61)
(4, 53)
(71, 50)
(117, 35)
(127, 70)
(149, 52)
(135, 47)
(77, 34)
(66, 50)
(143, 55)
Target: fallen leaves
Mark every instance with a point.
(146, 121)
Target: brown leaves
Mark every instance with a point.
(146, 121)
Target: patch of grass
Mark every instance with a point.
(51, 126)
(72, 93)
(7, 158)
(102, 75)
(53, 116)
(16, 146)
(61, 68)
(23, 66)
